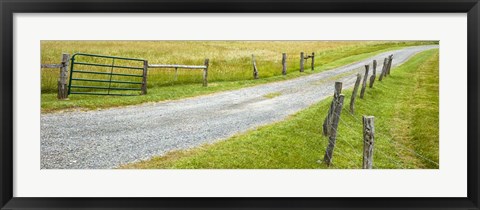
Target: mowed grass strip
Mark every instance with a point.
(230, 66)
(405, 106)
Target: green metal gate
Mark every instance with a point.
(89, 75)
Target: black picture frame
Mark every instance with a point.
(9, 7)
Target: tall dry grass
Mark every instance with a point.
(229, 60)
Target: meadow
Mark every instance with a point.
(406, 110)
(230, 65)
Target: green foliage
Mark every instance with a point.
(405, 106)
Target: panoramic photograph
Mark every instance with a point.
(315, 104)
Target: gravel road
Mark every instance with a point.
(108, 138)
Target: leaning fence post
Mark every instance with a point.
(354, 93)
(313, 61)
(333, 135)
(374, 74)
(284, 63)
(255, 70)
(387, 66)
(302, 61)
(62, 79)
(144, 79)
(368, 141)
(205, 73)
(390, 58)
(364, 84)
(328, 119)
(383, 69)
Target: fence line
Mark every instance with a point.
(63, 91)
(369, 132)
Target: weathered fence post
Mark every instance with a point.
(364, 84)
(354, 93)
(205, 73)
(328, 119)
(255, 70)
(62, 79)
(333, 135)
(313, 61)
(368, 141)
(302, 61)
(386, 67)
(390, 58)
(284, 63)
(382, 74)
(374, 75)
(144, 79)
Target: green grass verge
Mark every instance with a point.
(182, 89)
(405, 106)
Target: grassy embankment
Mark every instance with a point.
(405, 106)
(230, 65)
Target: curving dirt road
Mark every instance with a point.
(109, 138)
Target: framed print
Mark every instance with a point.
(239, 105)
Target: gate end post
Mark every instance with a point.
(205, 73)
(302, 61)
(144, 80)
(62, 79)
(313, 61)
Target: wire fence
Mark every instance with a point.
(344, 143)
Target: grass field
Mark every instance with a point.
(406, 110)
(230, 65)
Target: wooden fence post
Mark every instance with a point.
(333, 135)
(386, 68)
(390, 58)
(302, 61)
(255, 70)
(382, 74)
(144, 79)
(62, 79)
(328, 119)
(313, 61)
(284, 63)
(205, 73)
(368, 141)
(374, 75)
(364, 84)
(354, 93)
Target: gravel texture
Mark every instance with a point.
(108, 138)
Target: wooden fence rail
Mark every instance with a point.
(62, 92)
(175, 66)
(51, 66)
(203, 67)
